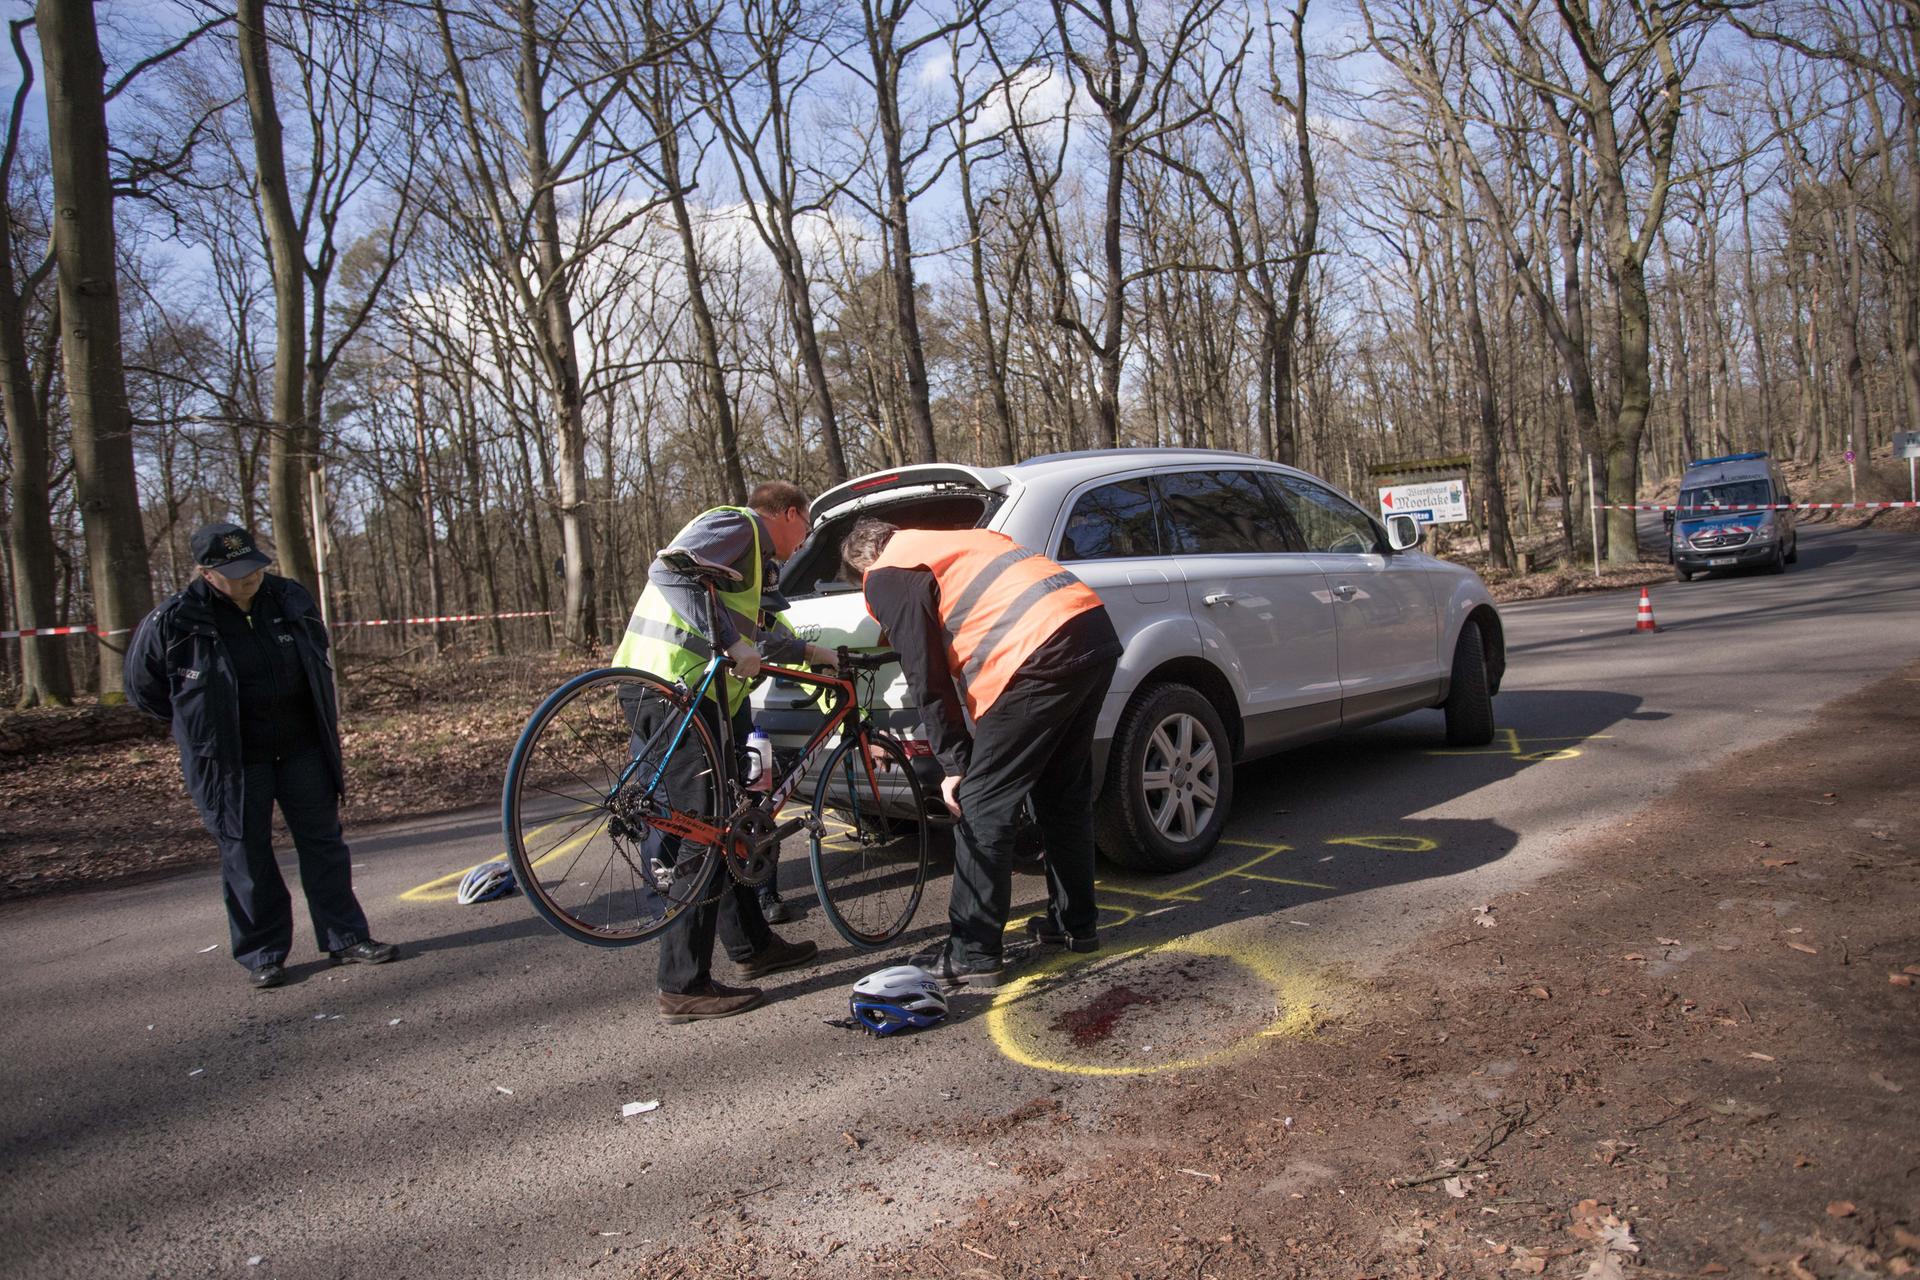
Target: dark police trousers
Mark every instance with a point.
(1036, 741)
(259, 909)
(726, 907)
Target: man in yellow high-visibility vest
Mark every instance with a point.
(667, 636)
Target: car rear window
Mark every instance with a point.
(814, 568)
(1115, 521)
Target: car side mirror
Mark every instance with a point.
(1404, 533)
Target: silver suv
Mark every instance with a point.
(1260, 609)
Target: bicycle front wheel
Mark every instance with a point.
(606, 759)
(870, 840)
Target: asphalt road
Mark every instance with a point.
(459, 1113)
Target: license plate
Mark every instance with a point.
(1722, 561)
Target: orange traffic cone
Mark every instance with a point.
(1645, 621)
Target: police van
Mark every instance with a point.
(1725, 517)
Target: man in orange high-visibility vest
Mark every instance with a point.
(1027, 649)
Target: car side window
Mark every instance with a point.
(1112, 522)
(1221, 513)
(1327, 521)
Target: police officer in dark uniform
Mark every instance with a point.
(237, 663)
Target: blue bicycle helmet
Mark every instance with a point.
(902, 998)
(486, 882)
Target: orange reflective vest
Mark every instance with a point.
(998, 602)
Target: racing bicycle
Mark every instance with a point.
(623, 806)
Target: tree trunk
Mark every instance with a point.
(84, 246)
(882, 31)
(558, 350)
(46, 679)
(292, 450)
(661, 106)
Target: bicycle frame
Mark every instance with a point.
(689, 827)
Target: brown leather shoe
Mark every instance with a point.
(712, 1001)
(778, 955)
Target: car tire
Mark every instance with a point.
(1170, 747)
(1469, 705)
(1793, 555)
(1682, 575)
(1779, 562)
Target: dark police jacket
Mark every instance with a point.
(178, 670)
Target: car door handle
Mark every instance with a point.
(1346, 591)
(1219, 597)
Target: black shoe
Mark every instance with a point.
(776, 911)
(953, 971)
(1043, 930)
(776, 956)
(366, 951)
(270, 974)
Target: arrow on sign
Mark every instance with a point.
(1387, 499)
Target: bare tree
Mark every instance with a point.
(1133, 77)
(84, 247)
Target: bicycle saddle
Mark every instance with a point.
(681, 560)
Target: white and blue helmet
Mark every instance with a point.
(901, 998)
(486, 882)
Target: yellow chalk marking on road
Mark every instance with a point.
(447, 888)
(1509, 743)
(1191, 892)
(1018, 1042)
(1389, 844)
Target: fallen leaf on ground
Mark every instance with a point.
(1604, 1267)
(1900, 979)
(1715, 1269)
(1885, 1083)
(1913, 969)
(1633, 955)
(1841, 1209)
(1668, 942)
(1906, 1239)
(1483, 916)
(1764, 1057)
(1801, 946)
(1800, 1272)
(1778, 862)
(1455, 1187)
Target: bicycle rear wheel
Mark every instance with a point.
(603, 758)
(871, 863)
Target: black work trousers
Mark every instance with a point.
(1035, 741)
(726, 908)
(259, 908)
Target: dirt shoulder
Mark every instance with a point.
(1690, 1052)
(418, 740)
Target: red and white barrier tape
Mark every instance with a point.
(63, 631)
(452, 617)
(1756, 506)
(372, 622)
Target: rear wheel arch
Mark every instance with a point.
(1210, 681)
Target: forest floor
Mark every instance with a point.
(1688, 1053)
(417, 739)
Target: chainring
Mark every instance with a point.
(752, 860)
